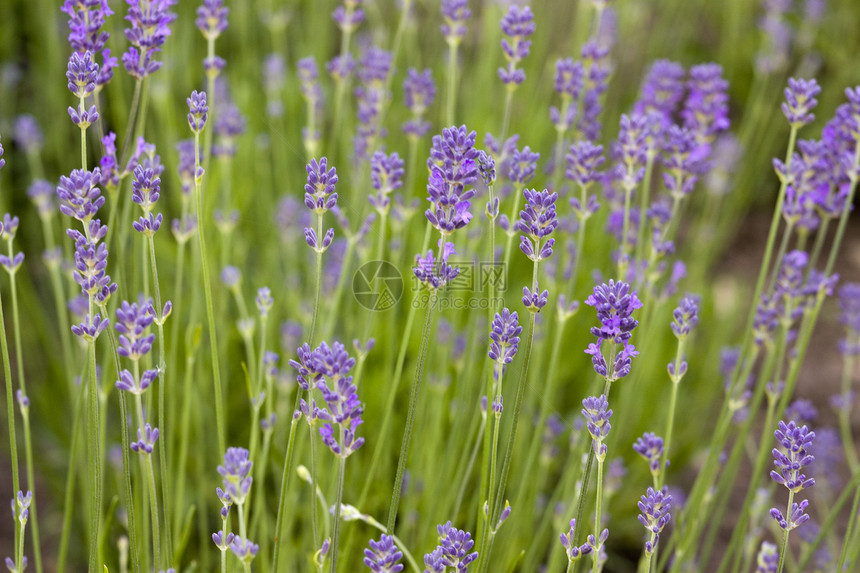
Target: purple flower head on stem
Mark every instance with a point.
(132, 323)
(790, 460)
(348, 17)
(198, 111)
(212, 18)
(236, 472)
(145, 440)
(655, 507)
(27, 134)
(538, 220)
(614, 304)
(573, 551)
(800, 101)
(82, 73)
(518, 24)
(486, 168)
(455, 13)
(597, 413)
(320, 195)
(569, 78)
(796, 517)
(662, 90)
(264, 301)
(150, 26)
(535, 301)
(650, 447)
(505, 336)
(705, 112)
(386, 172)
(583, 160)
(452, 168)
(91, 327)
(244, 549)
(522, 166)
(685, 317)
(383, 556)
(436, 274)
(127, 382)
(452, 551)
(223, 541)
(682, 158)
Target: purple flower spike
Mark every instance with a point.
(505, 335)
(535, 301)
(386, 172)
(597, 413)
(662, 90)
(537, 220)
(79, 195)
(568, 78)
(320, 193)
(198, 111)
(132, 322)
(849, 305)
(455, 13)
(685, 317)
(91, 327)
(706, 110)
(574, 552)
(223, 541)
(244, 549)
(436, 274)
(614, 304)
(583, 160)
(452, 551)
(150, 23)
(800, 101)
(236, 472)
(27, 134)
(767, 560)
(654, 507)
(145, 440)
(683, 159)
(348, 17)
(212, 18)
(522, 166)
(796, 518)
(518, 24)
(419, 91)
(452, 165)
(650, 447)
(383, 556)
(82, 73)
(795, 442)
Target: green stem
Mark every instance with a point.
(94, 459)
(596, 553)
(452, 81)
(285, 480)
(670, 420)
(506, 119)
(341, 471)
(784, 549)
(410, 417)
(210, 309)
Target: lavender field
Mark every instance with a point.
(437, 286)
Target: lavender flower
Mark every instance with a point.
(28, 135)
(568, 83)
(537, 220)
(654, 507)
(800, 101)
(615, 305)
(452, 551)
(505, 336)
(383, 556)
(2, 161)
(145, 192)
(662, 90)
(797, 516)
(452, 167)
(127, 382)
(596, 61)
(518, 24)
(535, 301)
(795, 441)
(244, 549)
(419, 91)
(91, 327)
(320, 196)
(455, 13)
(149, 29)
(767, 560)
(573, 551)
(82, 75)
(86, 19)
(650, 447)
(849, 305)
(212, 18)
(705, 112)
(682, 159)
(132, 322)
(436, 274)
(236, 472)
(583, 160)
(597, 413)
(685, 317)
(386, 175)
(198, 111)
(145, 440)
(349, 16)
(222, 540)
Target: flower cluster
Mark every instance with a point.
(386, 175)
(650, 447)
(150, 23)
(597, 413)
(518, 24)
(537, 220)
(452, 551)
(654, 507)
(383, 556)
(505, 337)
(320, 196)
(436, 273)
(86, 20)
(82, 73)
(614, 304)
(372, 95)
(348, 16)
(452, 168)
(573, 551)
(789, 458)
(455, 13)
(419, 91)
